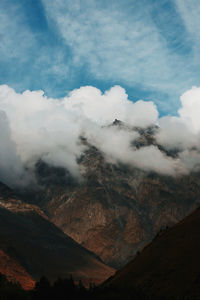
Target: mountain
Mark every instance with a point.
(168, 268)
(115, 209)
(31, 246)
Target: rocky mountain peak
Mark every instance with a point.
(116, 208)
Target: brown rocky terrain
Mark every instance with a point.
(31, 246)
(168, 268)
(116, 209)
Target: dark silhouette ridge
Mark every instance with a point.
(167, 268)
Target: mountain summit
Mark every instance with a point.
(116, 208)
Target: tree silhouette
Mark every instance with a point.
(42, 289)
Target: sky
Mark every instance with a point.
(69, 68)
(148, 47)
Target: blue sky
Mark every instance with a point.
(149, 47)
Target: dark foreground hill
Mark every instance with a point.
(31, 246)
(168, 268)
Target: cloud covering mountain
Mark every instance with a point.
(37, 127)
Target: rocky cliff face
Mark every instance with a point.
(116, 209)
(31, 246)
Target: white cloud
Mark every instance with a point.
(175, 134)
(183, 132)
(150, 158)
(11, 167)
(36, 127)
(116, 144)
(114, 104)
(49, 128)
(190, 159)
(190, 109)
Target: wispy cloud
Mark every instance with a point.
(28, 57)
(124, 43)
(190, 11)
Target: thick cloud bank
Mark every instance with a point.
(35, 127)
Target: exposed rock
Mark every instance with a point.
(116, 209)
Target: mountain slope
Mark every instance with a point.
(168, 268)
(37, 247)
(116, 209)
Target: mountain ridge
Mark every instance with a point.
(117, 208)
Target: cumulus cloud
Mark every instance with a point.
(35, 127)
(183, 130)
(49, 129)
(175, 134)
(41, 128)
(189, 112)
(182, 133)
(113, 104)
(11, 168)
